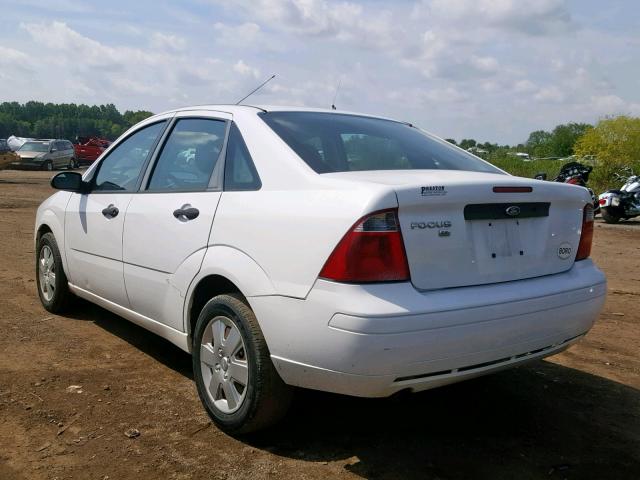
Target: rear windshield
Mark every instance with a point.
(330, 142)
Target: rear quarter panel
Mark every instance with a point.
(290, 234)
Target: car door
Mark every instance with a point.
(56, 152)
(67, 149)
(168, 222)
(94, 221)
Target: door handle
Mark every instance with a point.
(111, 211)
(186, 212)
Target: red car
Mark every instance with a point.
(88, 149)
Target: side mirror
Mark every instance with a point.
(69, 181)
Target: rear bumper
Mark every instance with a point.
(374, 340)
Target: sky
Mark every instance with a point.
(493, 70)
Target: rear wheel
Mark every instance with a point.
(236, 380)
(51, 280)
(609, 216)
(48, 165)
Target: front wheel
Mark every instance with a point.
(73, 164)
(609, 215)
(51, 280)
(48, 166)
(236, 380)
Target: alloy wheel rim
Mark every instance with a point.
(223, 363)
(47, 273)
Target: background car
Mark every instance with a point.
(46, 154)
(7, 156)
(88, 149)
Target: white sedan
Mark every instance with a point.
(341, 252)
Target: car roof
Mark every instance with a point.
(271, 108)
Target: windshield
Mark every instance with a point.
(330, 142)
(35, 147)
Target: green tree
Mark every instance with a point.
(538, 144)
(467, 143)
(65, 120)
(614, 143)
(564, 137)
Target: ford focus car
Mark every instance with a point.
(348, 253)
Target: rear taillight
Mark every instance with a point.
(586, 237)
(372, 251)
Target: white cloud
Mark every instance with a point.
(244, 34)
(89, 70)
(490, 69)
(534, 18)
(164, 41)
(444, 96)
(484, 64)
(9, 56)
(244, 69)
(524, 86)
(340, 20)
(550, 94)
(610, 104)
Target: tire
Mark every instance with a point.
(48, 166)
(54, 294)
(73, 164)
(608, 216)
(265, 398)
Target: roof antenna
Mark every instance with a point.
(256, 89)
(333, 105)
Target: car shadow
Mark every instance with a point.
(542, 420)
(632, 222)
(156, 347)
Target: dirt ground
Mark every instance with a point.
(575, 415)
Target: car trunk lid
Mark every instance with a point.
(469, 228)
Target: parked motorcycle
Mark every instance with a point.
(623, 203)
(574, 173)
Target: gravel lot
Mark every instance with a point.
(575, 415)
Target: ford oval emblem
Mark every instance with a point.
(513, 211)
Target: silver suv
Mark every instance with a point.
(47, 155)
